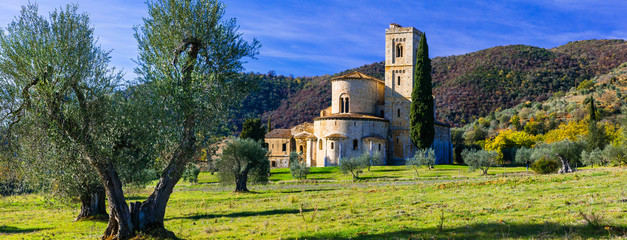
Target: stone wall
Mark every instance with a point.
(362, 93)
(279, 158)
(330, 149)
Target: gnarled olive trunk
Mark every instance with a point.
(149, 214)
(92, 204)
(240, 183)
(120, 225)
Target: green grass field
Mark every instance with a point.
(445, 203)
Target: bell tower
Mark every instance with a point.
(401, 44)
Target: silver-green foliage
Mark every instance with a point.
(298, 168)
(610, 154)
(372, 159)
(241, 159)
(523, 156)
(480, 159)
(569, 150)
(56, 97)
(354, 165)
(422, 157)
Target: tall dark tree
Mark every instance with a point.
(596, 134)
(252, 129)
(421, 116)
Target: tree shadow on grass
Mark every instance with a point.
(490, 231)
(11, 230)
(366, 177)
(389, 170)
(244, 214)
(307, 190)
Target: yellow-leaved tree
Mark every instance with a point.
(509, 139)
(571, 131)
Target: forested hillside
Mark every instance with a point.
(466, 87)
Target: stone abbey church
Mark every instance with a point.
(366, 115)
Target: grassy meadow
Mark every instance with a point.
(447, 202)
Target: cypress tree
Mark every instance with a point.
(253, 129)
(421, 115)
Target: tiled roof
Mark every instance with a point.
(303, 135)
(279, 133)
(357, 75)
(336, 135)
(351, 116)
(374, 137)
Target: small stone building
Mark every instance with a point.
(366, 115)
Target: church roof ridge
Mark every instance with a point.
(357, 75)
(351, 116)
(279, 133)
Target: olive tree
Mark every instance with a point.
(480, 159)
(422, 157)
(241, 158)
(57, 86)
(354, 165)
(189, 60)
(52, 71)
(298, 168)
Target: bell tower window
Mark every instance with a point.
(399, 80)
(341, 104)
(344, 104)
(399, 50)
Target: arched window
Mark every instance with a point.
(320, 144)
(301, 148)
(379, 147)
(344, 103)
(399, 80)
(398, 112)
(355, 144)
(399, 50)
(331, 145)
(341, 104)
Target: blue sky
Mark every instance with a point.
(308, 38)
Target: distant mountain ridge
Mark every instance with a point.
(465, 86)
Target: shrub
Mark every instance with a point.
(480, 159)
(545, 165)
(585, 86)
(298, 168)
(422, 157)
(594, 157)
(617, 154)
(191, 173)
